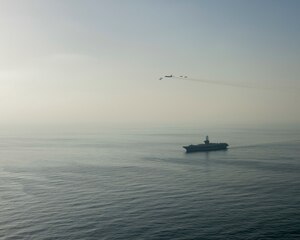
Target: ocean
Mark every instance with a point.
(140, 184)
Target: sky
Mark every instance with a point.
(97, 63)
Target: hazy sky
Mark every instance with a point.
(71, 62)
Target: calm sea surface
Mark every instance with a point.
(139, 184)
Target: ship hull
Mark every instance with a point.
(206, 147)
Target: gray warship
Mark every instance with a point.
(207, 146)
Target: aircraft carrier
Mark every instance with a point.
(207, 146)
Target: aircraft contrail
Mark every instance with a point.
(229, 84)
(221, 83)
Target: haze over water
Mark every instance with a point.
(91, 140)
(139, 184)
